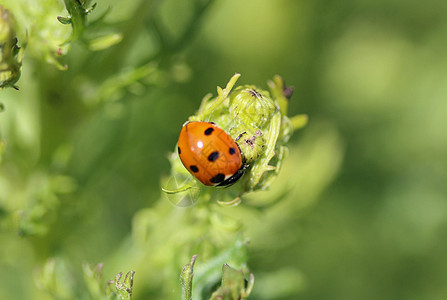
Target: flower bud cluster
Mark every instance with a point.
(257, 122)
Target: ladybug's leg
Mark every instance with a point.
(239, 136)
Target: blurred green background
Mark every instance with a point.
(366, 217)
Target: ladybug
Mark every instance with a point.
(210, 154)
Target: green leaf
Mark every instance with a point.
(210, 271)
(299, 121)
(105, 42)
(233, 285)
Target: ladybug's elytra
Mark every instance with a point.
(210, 154)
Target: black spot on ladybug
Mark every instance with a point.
(232, 150)
(213, 156)
(194, 168)
(209, 130)
(179, 151)
(218, 178)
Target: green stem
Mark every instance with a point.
(170, 47)
(186, 279)
(144, 12)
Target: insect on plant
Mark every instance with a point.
(236, 140)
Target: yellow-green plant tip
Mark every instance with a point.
(105, 42)
(235, 202)
(51, 59)
(270, 168)
(299, 121)
(204, 102)
(231, 83)
(277, 88)
(222, 94)
(183, 188)
(112, 89)
(250, 285)
(217, 102)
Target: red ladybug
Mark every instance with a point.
(210, 154)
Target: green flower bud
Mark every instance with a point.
(251, 141)
(251, 107)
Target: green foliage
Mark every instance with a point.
(233, 285)
(94, 281)
(120, 289)
(78, 11)
(55, 279)
(10, 53)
